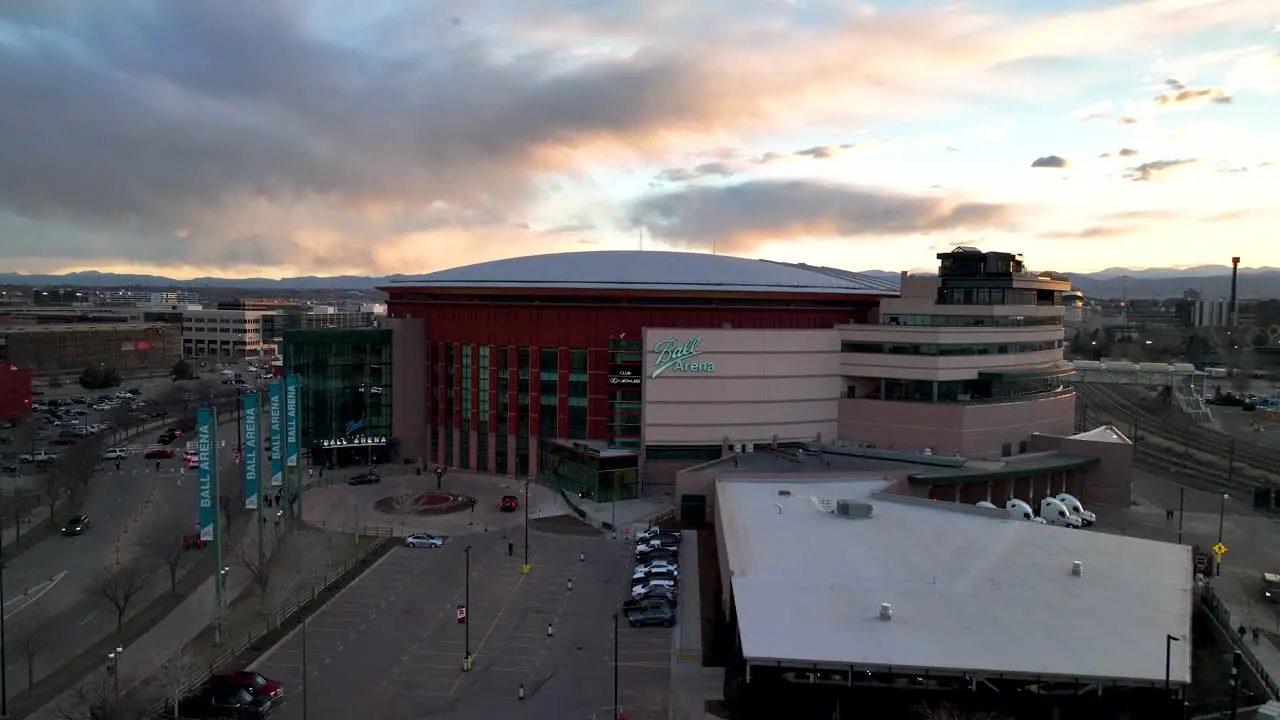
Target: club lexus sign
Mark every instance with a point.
(621, 376)
(675, 356)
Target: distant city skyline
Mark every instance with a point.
(249, 139)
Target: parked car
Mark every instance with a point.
(365, 478)
(643, 587)
(657, 615)
(508, 503)
(658, 598)
(659, 565)
(645, 548)
(159, 454)
(652, 531)
(166, 439)
(44, 456)
(233, 702)
(649, 570)
(417, 540)
(115, 454)
(662, 553)
(76, 525)
(255, 683)
(63, 441)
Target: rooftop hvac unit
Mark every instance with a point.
(853, 509)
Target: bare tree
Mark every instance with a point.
(176, 676)
(947, 711)
(76, 464)
(93, 699)
(32, 640)
(165, 547)
(255, 556)
(120, 586)
(52, 488)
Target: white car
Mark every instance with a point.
(639, 589)
(44, 456)
(423, 540)
(101, 406)
(124, 395)
(650, 532)
(115, 454)
(656, 566)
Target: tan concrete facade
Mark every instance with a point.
(739, 386)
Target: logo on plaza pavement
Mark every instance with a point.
(678, 357)
(353, 426)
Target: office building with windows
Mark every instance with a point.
(345, 394)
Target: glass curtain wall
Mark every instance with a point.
(450, 397)
(484, 427)
(597, 477)
(345, 391)
(522, 412)
(502, 452)
(548, 391)
(464, 431)
(624, 405)
(578, 394)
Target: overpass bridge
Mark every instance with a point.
(1186, 384)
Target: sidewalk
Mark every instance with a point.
(1242, 609)
(147, 655)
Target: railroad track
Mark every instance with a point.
(1187, 470)
(1203, 439)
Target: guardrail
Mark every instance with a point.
(1222, 615)
(275, 623)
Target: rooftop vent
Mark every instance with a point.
(784, 493)
(886, 611)
(853, 509)
(1077, 568)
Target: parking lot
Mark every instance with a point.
(390, 646)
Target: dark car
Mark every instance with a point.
(134, 391)
(670, 554)
(237, 702)
(166, 439)
(653, 600)
(365, 478)
(256, 683)
(63, 441)
(76, 525)
(659, 615)
(159, 454)
(508, 503)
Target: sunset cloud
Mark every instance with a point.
(320, 138)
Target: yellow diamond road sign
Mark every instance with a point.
(1219, 549)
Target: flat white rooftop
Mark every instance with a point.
(971, 591)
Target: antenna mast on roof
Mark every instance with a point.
(640, 230)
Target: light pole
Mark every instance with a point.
(1169, 640)
(1182, 497)
(1222, 514)
(526, 524)
(4, 662)
(615, 666)
(304, 668)
(466, 602)
(113, 663)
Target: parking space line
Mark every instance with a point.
(644, 665)
(427, 665)
(489, 632)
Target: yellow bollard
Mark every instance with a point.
(524, 569)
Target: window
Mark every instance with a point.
(1022, 447)
(1006, 450)
(466, 386)
(870, 348)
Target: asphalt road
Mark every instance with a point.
(390, 646)
(73, 614)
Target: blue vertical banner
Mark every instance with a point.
(275, 406)
(291, 420)
(205, 456)
(249, 409)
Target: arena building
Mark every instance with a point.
(607, 371)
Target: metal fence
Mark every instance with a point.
(193, 682)
(1221, 614)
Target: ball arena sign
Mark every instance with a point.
(677, 357)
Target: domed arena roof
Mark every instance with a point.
(652, 270)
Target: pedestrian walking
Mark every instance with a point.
(117, 466)
(1255, 634)
(1168, 514)
(157, 466)
(511, 548)
(1242, 631)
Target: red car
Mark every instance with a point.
(508, 503)
(63, 441)
(248, 680)
(159, 454)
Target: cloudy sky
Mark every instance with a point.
(291, 137)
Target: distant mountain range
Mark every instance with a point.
(1212, 281)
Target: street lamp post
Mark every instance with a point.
(526, 522)
(615, 666)
(113, 660)
(1169, 640)
(304, 669)
(1222, 514)
(466, 603)
(1182, 497)
(4, 661)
